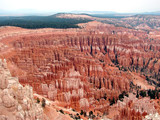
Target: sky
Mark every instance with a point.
(121, 6)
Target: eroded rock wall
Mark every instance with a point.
(16, 101)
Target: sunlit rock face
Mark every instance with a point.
(62, 68)
(16, 101)
(155, 116)
(134, 108)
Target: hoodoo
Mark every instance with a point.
(96, 71)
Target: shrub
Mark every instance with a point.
(121, 97)
(77, 117)
(90, 113)
(112, 101)
(84, 113)
(38, 100)
(81, 112)
(61, 111)
(43, 102)
(105, 96)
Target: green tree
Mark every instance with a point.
(143, 93)
(149, 92)
(152, 93)
(113, 101)
(157, 95)
(137, 94)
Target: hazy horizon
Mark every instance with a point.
(48, 6)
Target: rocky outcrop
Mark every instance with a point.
(155, 116)
(134, 54)
(133, 108)
(16, 101)
(65, 75)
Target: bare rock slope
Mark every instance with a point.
(16, 101)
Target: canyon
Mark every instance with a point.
(85, 68)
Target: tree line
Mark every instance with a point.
(34, 22)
